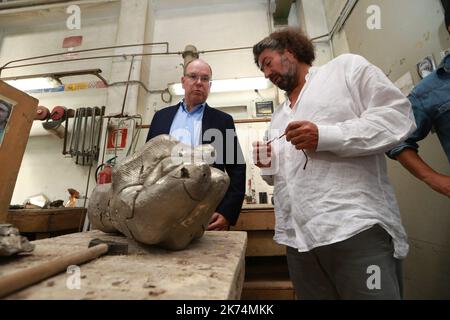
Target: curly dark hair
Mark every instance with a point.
(291, 39)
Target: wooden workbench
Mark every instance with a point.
(259, 222)
(211, 267)
(38, 224)
(267, 275)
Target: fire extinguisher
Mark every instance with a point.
(105, 175)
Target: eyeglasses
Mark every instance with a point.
(195, 77)
(277, 138)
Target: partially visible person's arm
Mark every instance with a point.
(422, 171)
(407, 152)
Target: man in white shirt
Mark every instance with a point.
(335, 209)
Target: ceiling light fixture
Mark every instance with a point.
(33, 83)
(47, 80)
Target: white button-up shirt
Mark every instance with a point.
(344, 189)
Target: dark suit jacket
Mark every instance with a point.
(231, 204)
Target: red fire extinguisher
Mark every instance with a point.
(105, 176)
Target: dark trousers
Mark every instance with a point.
(362, 267)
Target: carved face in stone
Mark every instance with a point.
(164, 194)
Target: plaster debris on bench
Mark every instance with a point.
(11, 242)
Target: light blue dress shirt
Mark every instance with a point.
(187, 126)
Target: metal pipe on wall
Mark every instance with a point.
(340, 21)
(190, 53)
(269, 16)
(337, 26)
(343, 16)
(6, 65)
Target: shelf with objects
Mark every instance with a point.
(36, 224)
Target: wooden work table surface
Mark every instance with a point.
(209, 268)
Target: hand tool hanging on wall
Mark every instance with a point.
(85, 136)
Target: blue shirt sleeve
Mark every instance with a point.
(423, 123)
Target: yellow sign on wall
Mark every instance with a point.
(76, 86)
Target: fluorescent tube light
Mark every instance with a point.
(48, 80)
(33, 83)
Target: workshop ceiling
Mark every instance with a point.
(280, 15)
(20, 18)
(180, 4)
(14, 4)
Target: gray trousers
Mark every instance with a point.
(361, 267)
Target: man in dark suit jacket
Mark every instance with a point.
(446, 6)
(217, 128)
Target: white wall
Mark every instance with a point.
(34, 32)
(314, 22)
(40, 32)
(410, 30)
(238, 24)
(209, 27)
(45, 170)
(333, 9)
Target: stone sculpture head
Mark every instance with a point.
(164, 194)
